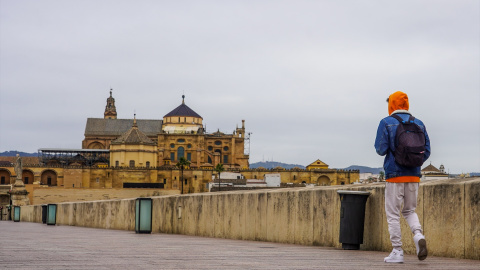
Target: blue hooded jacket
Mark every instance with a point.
(385, 145)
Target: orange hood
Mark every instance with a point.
(397, 101)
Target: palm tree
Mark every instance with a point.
(182, 163)
(219, 168)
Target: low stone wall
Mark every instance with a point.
(45, 195)
(448, 211)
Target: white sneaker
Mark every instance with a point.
(421, 246)
(396, 256)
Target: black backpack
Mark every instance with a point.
(409, 143)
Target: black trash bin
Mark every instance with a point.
(44, 214)
(352, 217)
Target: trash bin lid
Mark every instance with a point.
(354, 192)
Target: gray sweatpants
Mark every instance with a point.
(395, 195)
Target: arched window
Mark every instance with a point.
(209, 160)
(48, 177)
(5, 177)
(96, 145)
(28, 177)
(147, 164)
(180, 152)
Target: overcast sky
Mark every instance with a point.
(310, 78)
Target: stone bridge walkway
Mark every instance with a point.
(26, 245)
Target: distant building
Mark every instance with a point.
(369, 177)
(133, 149)
(432, 173)
(179, 134)
(143, 153)
(317, 164)
(273, 180)
(256, 183)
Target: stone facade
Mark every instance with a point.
(179, 134)
(133, 149)
(196, 179)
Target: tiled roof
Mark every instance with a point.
(116, 127)
(133, 136)
(25, 160)
(431, 168)
(183, 110)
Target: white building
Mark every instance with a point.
(273, 179)
(256, 183)
(432, 173)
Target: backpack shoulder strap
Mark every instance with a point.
(399, 119)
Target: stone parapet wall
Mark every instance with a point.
(448, 211)
(59, 195)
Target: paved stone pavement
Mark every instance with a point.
(26, 245)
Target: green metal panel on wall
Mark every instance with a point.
(16, 213)
(143, 215)
(51, 214)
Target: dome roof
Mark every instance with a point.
(183, 110)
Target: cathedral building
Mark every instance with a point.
(179, 134)
(125, 158)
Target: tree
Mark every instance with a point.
(219, 168)
(382, 175)
(182, 163)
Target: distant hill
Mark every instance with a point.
(274, 164)
(364, 169)
(14, 153)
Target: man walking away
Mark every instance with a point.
(404, 142)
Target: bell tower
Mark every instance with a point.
(110, 110)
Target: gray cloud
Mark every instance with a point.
(309, 77)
